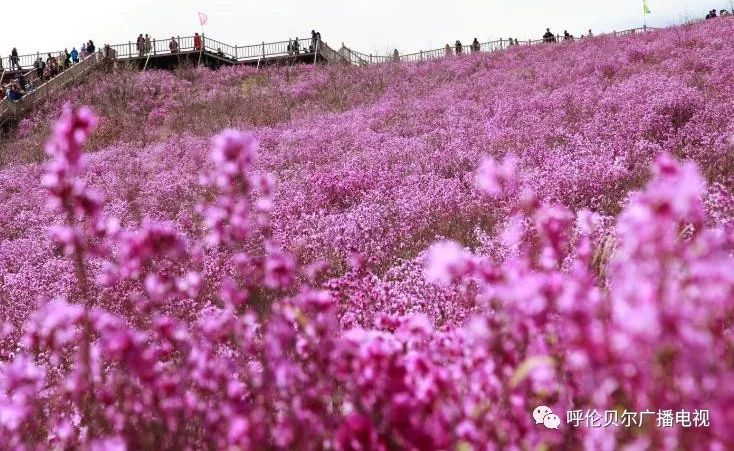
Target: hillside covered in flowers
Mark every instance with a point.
(404, 256)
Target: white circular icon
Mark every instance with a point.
(540, 412)
(545, 416)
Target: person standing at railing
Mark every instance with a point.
(567, 36)
(475, 46)
(290, 47)
(296, 46)
(14, 60)
(447, 50)
(60, 61)
(51, 66)
(23, 83)
(140, 44)
(90, 47)
(173, 45)
(146, 44)
(14, 94)
(67, 59)
(74, 55)
(197, 42)
(459, 48)
(548, 36)
(396, 56)
(39, 65)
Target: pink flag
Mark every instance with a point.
(202, 19)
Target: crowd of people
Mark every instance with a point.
(42, 71)
(294, 45)
(712, 14)
(53, 65)
(548, 37)
(143, 44)
(174, 45)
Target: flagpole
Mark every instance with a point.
(201, 50)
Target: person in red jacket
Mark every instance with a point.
(197, 41)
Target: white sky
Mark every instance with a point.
(371, 26)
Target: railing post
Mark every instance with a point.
(201, 50)
(236, 53)
(370, 58)
(129, 49)
(421, 55)
(263, 49)
(316, 50)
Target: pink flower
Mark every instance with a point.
(356, 433)
(279, 270)
(108, 444)
(446, 262)
(495, 179)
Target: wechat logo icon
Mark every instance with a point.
(544, 415)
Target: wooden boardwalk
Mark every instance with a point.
(212, 54)
(215, 54)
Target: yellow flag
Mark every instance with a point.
(645, 7)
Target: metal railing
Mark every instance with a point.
(253, 52)
(26, 61)
(363, 59)
(329, 54)
(130, 51)
(212, 46)
(36, 94)
(237, 53)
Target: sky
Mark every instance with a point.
(370, 26)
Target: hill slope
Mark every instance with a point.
(394, 170)
(374, 165)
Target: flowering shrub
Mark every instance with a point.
(546, 328)
(389, 286)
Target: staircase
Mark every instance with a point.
(330, 55)
(10, 109)
(126, 52)
(362, 59)
(274, 52)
